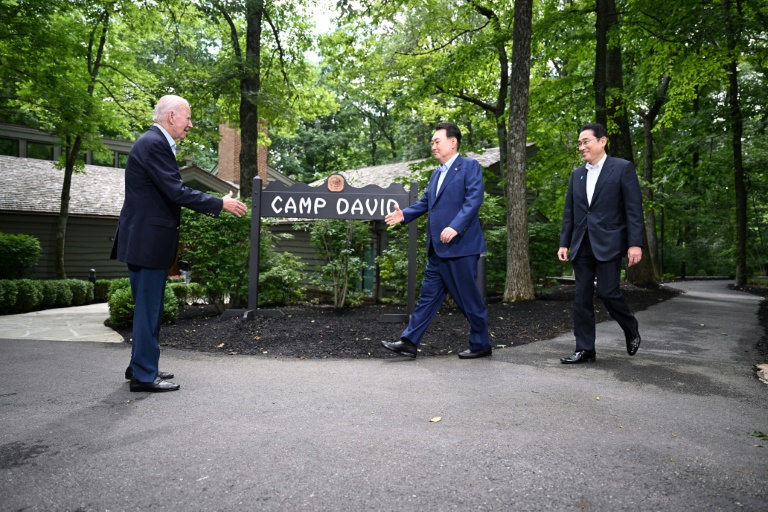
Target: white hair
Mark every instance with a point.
(167, 104)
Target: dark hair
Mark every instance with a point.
(596, 128)
(451, 131)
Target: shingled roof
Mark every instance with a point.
(34, 186)
(384, 175)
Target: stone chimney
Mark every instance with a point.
(229, 154)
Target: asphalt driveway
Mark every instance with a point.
(667, 429)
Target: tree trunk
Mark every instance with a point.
(651, 250)
(737, 129)
(620, 143)
(649, 119)
(71, 153)
(250, 86)
(601, 61)
(519, 285)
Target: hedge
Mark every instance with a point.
(24, 295)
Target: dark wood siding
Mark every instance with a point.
(88, 244)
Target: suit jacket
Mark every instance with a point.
(614, 220)
(148, 229)
(456, 206)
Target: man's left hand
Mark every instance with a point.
(634, 255)
(447, 235)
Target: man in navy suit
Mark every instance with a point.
(147, 236)
(455, 241)
(602, 221)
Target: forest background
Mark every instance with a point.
(680, 84)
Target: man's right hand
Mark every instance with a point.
(562, 254)
(234, 206)
(396, 217)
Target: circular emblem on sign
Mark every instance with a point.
(336, 183)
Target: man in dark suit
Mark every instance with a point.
(602, 221)
(455, 241)
(147, 236)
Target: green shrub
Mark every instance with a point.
(218, 250)
(187, 293)
(118, 284)
(180, 291)
(341, 244)
(121, 307)
(63, 294)
(29, 297)
(101, 290)
(50, 291)
(543, 243)
(281, 283)
(81, 291)
(8, 293)
(19, 255)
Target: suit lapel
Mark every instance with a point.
(581, 183)
(452, 172)
(605, 172)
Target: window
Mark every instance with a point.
(9, 147)
(40, 150)
(104, 158)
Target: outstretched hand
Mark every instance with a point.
(234, 206)
(396, 217)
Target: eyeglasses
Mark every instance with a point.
(583, 142)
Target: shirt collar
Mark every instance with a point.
(447, 165)
(598, 165)
(170, 140)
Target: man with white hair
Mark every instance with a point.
(147, 236)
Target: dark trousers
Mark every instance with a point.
(148, 288)
(585, 268)
(457, 277)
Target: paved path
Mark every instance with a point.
(668, 429)
(81, 323)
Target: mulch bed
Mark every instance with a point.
(311, 331)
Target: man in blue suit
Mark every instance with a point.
(147, 236)
(455, 241)
(602, 221)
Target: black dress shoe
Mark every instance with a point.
(468, 354)
(580, 356)
(162, 375)
(633, 342)
(402, 347)
(158, 386)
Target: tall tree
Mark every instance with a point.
(733, 21)
(519, 285)
(70, 80)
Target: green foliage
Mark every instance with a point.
(281, 282)
(218, 250)
(30, 295)
(118, 284)
(121, 307)
(8, 293)
(19, 255)
(342, 245)
(23, 295)
(543, 242)
(187, 293)
(50, 289)
(101, 290)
